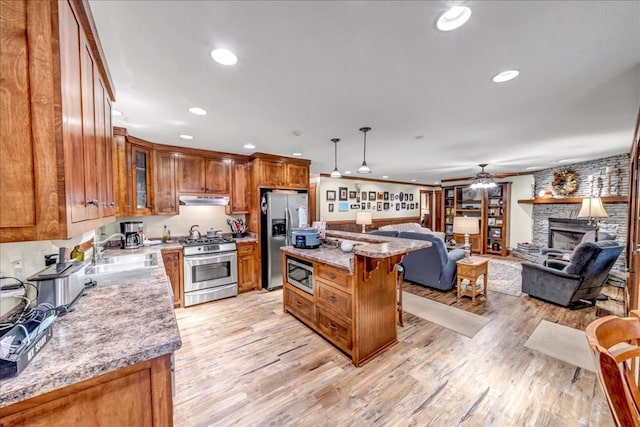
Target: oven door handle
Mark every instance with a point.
(217, 256)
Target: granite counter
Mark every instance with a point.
(111, 327)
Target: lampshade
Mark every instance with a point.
(483, 179)
(592, 208)
(466, 225)
(364, 168)
(336, 173)
(364, 219)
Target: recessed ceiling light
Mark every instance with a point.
(418, 137)
(249, 146)
(385, 176)
(224, 56)
(565, 160)
(197, 111)
(297, 154)
(186, 137)
(116, 113)
(505, 76)
(347, 172)
(436, 182)
(413, 180)
(453, 18)
(530, 168)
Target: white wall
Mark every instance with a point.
(332, 184)
(521, 215)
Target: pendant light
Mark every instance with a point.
(336, 173)
(364, 168)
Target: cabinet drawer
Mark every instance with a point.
(299, 306)
(333, 298)
(245, 248)
(337, 276)
(335, 329)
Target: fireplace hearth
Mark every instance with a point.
(566, 233)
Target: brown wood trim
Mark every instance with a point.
(119, 131)
(276, 158)
(86, 20)
(200, 152)
(566, 200)
(388, 181)
(633, 237)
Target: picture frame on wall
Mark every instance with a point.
(385, 195)
(368, 205)
(363, 206)
(330, 207)
(380, 195)
(401, 197)
(331, 195)
(343, 207)
(404, 205)
(411, 197)
(397, 206)
(343, 193)
(364, 196)
(406, 197)
(379, 207)
(386, 206)
(355, 206)
(353, 194)
(372, 195)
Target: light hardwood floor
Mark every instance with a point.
(244, 362)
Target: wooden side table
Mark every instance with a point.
(472, 271)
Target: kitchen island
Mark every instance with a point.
(108, 361)
(353, 303)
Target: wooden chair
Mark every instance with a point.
(615, 342)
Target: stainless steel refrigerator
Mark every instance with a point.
(281, 212)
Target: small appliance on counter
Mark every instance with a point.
(60, 285)
(133, 234)
(305, 238)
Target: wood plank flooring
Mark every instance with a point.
(244, 362)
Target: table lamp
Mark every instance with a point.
(364, 219)
(466, 225)
(592, 208)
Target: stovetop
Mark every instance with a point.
(205, 241)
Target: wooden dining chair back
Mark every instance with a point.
(615, 342)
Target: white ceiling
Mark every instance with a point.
(327, 68)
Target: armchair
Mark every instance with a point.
(434, 266)
(589, 236)
(572, 283)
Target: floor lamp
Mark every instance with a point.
(592, 209)
(466, 225)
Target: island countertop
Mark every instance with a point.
(368, 245)
(113, 326)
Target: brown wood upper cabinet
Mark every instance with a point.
(166, 198)
(203, 175)
(240, 189)
(282, 173)
(57, 89)
(141, 183)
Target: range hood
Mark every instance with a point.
(204, 200)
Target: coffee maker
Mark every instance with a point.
(132, 231)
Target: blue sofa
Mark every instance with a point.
(434, 266)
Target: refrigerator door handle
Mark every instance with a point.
(287, 215)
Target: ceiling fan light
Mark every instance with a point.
(483, 180)
(453, 18)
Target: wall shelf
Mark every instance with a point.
(566, 200)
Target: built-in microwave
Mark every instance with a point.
(300, 274)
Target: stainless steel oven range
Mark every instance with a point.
(210, 270)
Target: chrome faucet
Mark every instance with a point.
(97, 250)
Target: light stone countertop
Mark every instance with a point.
(112, 326)
(372, 246)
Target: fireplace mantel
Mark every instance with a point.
(567, 200)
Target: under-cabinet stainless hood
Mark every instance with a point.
(204, 200)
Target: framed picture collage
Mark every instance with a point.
(344, 199)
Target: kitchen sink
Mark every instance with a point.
(120, 263)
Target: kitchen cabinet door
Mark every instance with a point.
(166, 200)
(140, 180)
(271, 174)
(174, 267)
(247, 273)
(297, 176)
(241, 189)
(104, 142)
(217, 176)
(191, 174)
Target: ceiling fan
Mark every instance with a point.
(483, 179)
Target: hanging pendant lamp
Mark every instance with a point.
(336, 173)
(364, 168)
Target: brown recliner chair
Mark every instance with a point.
(574, 284)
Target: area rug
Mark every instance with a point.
(460, 321)
(563, 343)
(504, 277)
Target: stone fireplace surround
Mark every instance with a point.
(615, 224)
